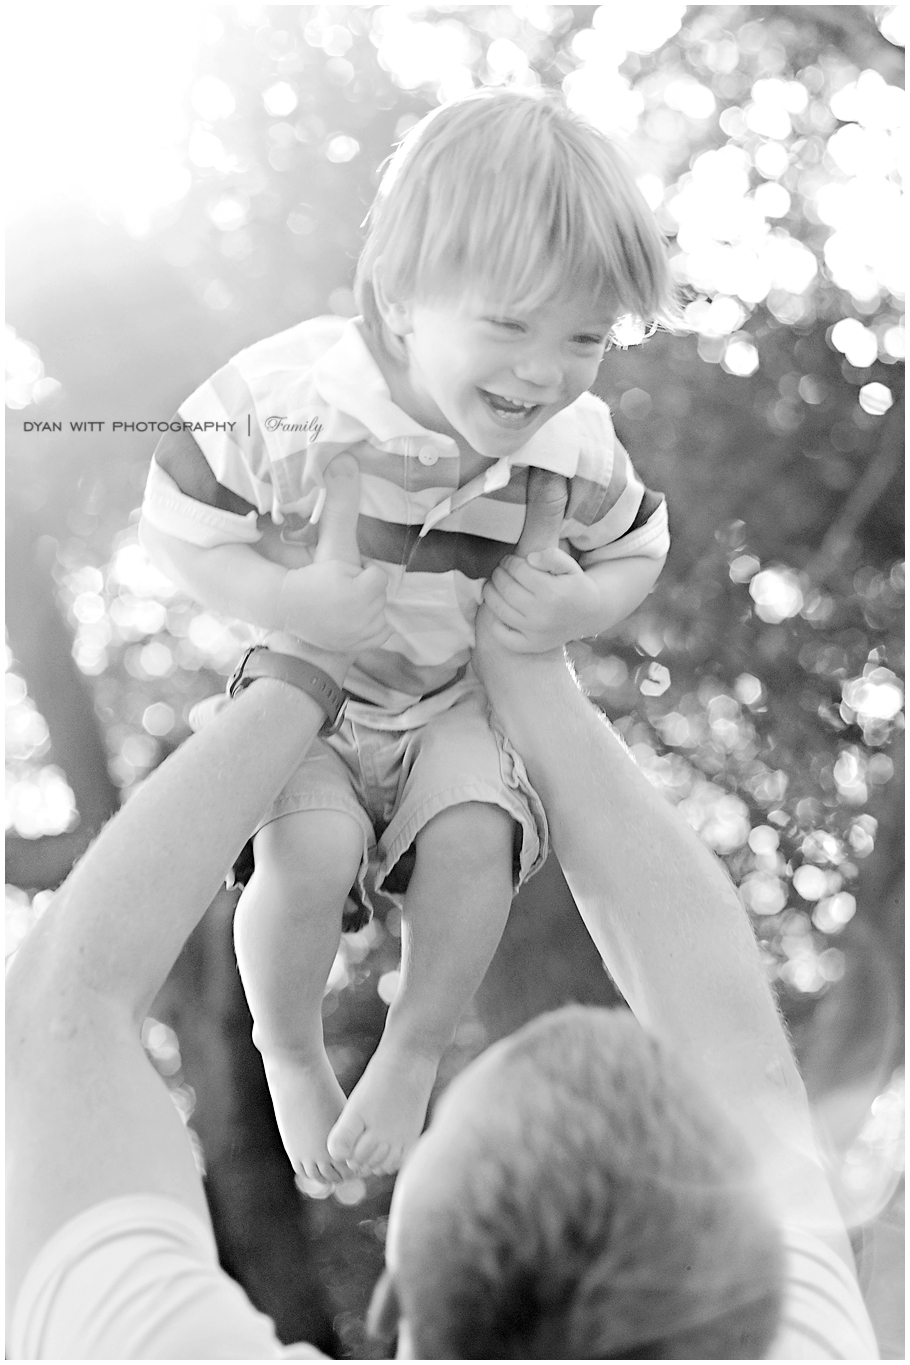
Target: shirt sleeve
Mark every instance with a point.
(223, 420)
(611, 514)
(823, 1317)
(220, 422)
(166, 508)
(137, 1278)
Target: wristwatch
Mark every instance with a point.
(260, 662)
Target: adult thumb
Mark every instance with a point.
(372, 580)
(553, 561)
(548, 494)
(338, 520)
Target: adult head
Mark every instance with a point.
(578, 1196)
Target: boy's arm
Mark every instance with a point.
(231, 579)
(622, 585)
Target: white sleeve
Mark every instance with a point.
(611, 514)
(137, 1278)
(168, 509)
(646, 535)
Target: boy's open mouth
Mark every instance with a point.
(509, 410)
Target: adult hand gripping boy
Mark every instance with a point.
(346, 611)
(334, 603)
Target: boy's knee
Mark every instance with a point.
(312, 846)
(481, 830)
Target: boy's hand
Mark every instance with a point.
(541, 602)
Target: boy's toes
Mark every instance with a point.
(332, 1173)
(344, 1136)
(392, 1161)
(313, 1186)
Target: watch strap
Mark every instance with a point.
(260, 662)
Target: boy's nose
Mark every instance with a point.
(542, 369)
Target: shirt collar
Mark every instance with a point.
(348, 379)
(556, 446)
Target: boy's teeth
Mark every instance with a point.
(511, 404)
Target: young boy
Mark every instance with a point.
(506, 241)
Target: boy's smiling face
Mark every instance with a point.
(492, 375)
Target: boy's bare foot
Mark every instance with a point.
(385, 1114)
(308, 1101)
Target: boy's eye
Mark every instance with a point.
(510, 324)
(591, 340)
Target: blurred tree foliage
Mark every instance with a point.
(759, 687)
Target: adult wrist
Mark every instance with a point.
(302, 674)
(335, 664)
(495, 662)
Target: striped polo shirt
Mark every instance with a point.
(271, 420)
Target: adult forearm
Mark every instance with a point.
(119, 922)
(657, 903)
(666, 919)
(90, 1119)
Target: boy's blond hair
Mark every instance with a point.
(508, 193)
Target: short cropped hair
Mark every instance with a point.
(606, 1210)
(507, 191)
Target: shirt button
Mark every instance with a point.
(427, 455)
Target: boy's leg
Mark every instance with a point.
(286, 933)
(454, 914)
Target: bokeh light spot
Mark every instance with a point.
(158, 719)
(858, 343)
(280, 99)
(810, 882)
(777, 594)
(740, 358)
(875, 399)
(342, 148)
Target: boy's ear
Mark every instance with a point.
(395, 315)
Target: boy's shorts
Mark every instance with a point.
(393, 782)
